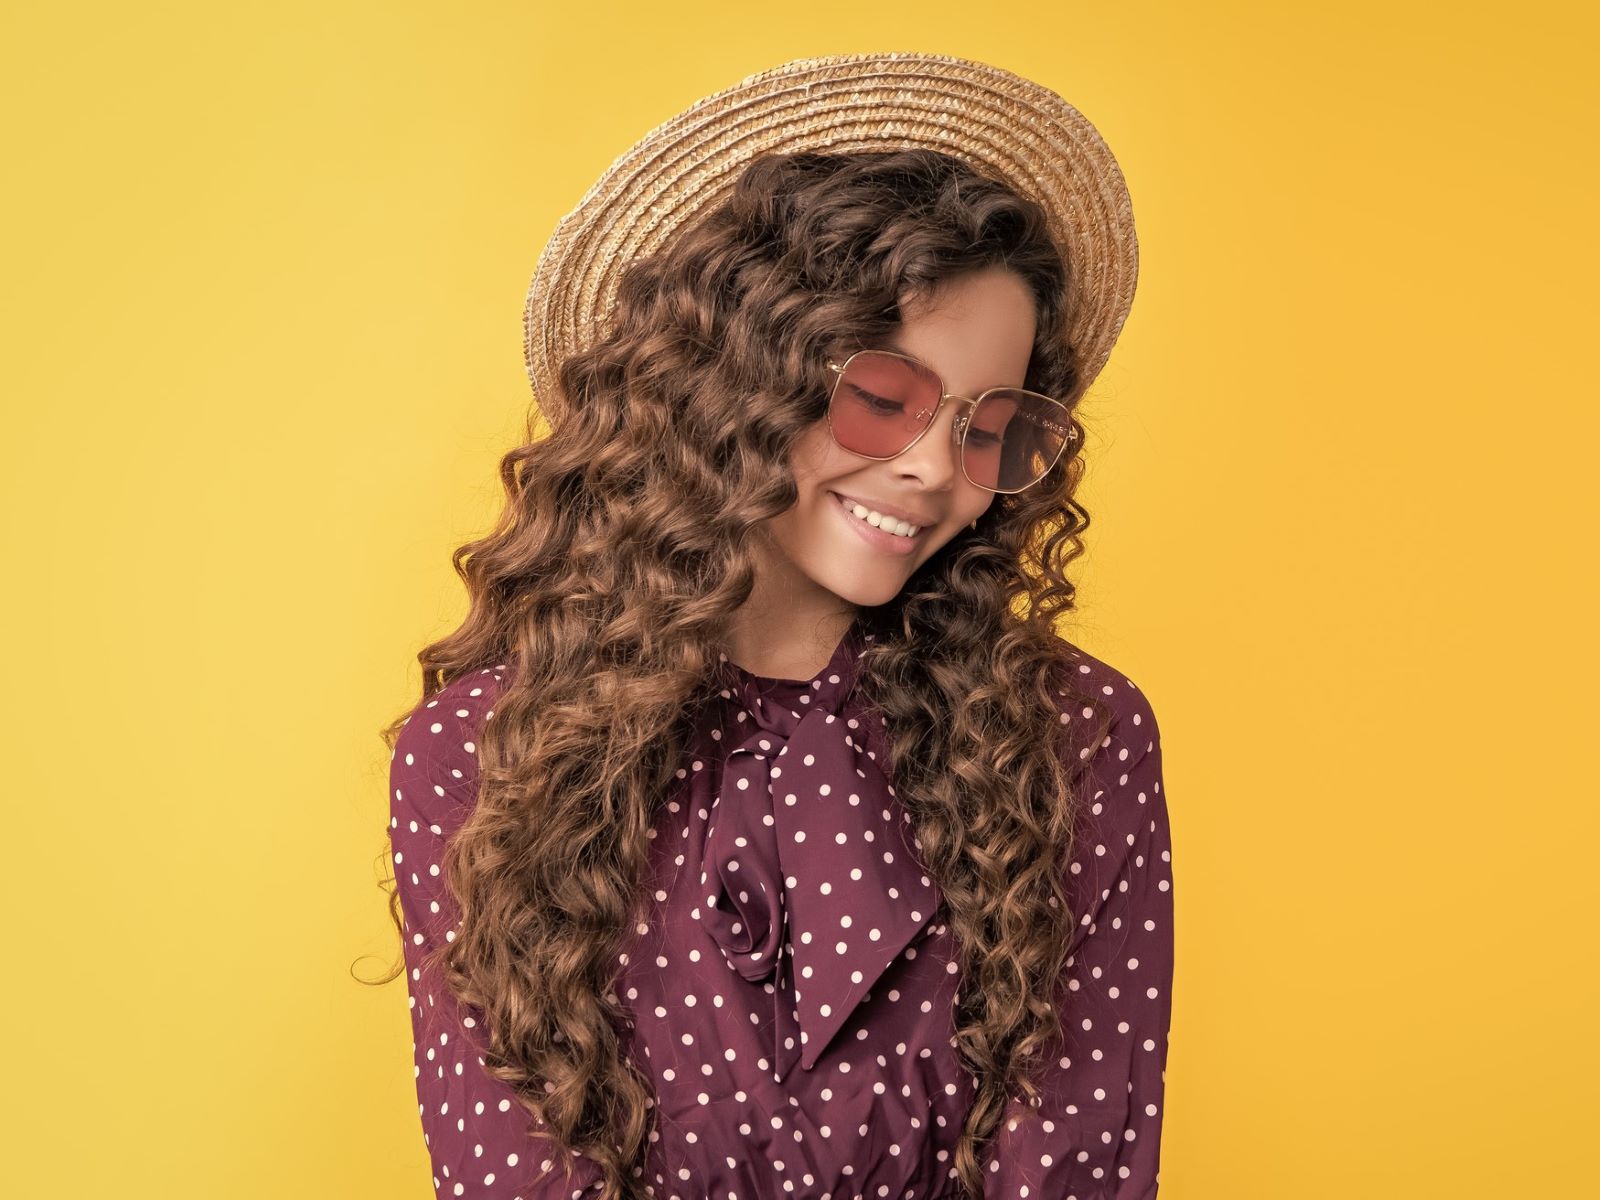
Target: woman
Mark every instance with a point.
(751, 839)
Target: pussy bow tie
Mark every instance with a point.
(810, 874)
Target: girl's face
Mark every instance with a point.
(977, 333)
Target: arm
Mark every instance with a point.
(482, 1143)
(1096, 1133)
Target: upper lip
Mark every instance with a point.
(889, 510)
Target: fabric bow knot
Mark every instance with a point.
(808, 857)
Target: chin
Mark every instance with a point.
(858, 575)
(860, 595)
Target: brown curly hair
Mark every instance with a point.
(610, 580)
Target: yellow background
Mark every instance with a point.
(263, 275)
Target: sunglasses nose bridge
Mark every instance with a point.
(959, 426)
(926, 416)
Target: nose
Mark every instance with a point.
(935, 458)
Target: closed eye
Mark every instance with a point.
(877, 403)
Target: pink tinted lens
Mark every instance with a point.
(881, 402)
(1013, 437)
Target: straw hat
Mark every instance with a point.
(1002, 124)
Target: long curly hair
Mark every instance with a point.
(610, 580)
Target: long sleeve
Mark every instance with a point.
(482, 1143)
(1095, 1134)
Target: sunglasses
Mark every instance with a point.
(882, 402)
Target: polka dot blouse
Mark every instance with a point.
(792, 992)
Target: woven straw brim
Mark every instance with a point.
(1006, 126)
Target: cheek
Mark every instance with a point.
(815, 460)
(975, 503)
(817, 456)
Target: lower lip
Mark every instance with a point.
(880, 539)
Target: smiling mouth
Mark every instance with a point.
(889, 525)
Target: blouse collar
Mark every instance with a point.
(809, 867)
(778, 703)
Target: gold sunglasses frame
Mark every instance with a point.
(958, 429)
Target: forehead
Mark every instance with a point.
(950, 373)
(985, 314)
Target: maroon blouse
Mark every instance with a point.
(791, 994)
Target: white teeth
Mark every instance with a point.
(888, 524)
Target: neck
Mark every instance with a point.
(787, 641)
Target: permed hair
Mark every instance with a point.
(612, 575)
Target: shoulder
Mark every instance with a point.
(1132, 734)
(1122, 835)
(434, 768)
